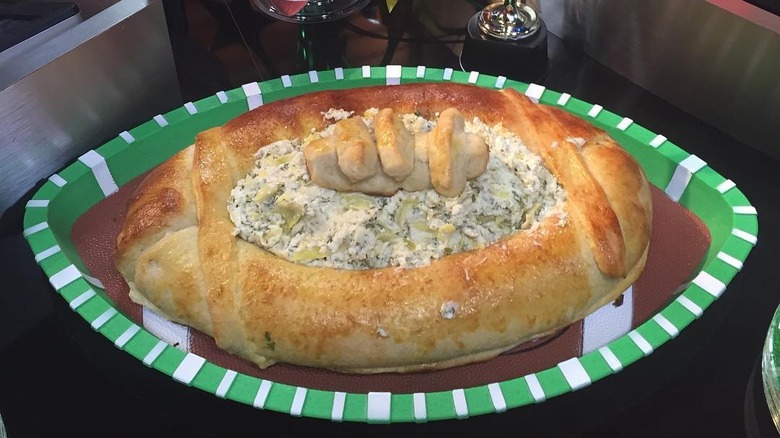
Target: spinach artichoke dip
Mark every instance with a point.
(277, 207)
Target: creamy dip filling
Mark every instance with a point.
(277, 207)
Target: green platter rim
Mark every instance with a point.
(50, 213)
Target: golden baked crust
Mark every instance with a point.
(179, 255)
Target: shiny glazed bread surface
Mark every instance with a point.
(179, 255)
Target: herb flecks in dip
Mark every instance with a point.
(277, 207)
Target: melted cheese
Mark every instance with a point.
(277, 207)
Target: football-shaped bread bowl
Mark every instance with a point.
(180, 252)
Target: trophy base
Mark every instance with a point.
(524, 60)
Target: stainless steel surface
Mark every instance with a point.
(89, 8)
(718, 60)
(9, 55)
(70, 94)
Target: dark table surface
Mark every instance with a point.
(60, 378)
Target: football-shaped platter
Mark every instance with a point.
(332, 244)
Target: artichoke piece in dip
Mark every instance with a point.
(279, 208)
